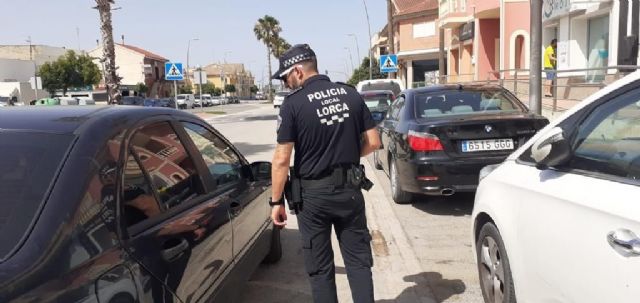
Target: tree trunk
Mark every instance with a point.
(269, 60)
(112, 80)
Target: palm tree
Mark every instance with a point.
(112, 81)
(279, 47)
(267, 30)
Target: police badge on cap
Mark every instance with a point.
(296, 54)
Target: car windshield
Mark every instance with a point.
(377, 100)
(465, 102)
(181, 97)
(28, 166)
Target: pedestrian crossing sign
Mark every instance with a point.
(173, 71)
(388, 63)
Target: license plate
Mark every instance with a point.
(486, 145)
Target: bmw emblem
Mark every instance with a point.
(488, 128)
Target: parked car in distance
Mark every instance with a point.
(47, 102)
(85, 101)
(206, 100)
(127, 204)
(562, 211)
(185, 101)
(378, 102)
(394, 85)
(436, 139)
(216, 100)
(167, 102)
(279, 98)
(132, 100)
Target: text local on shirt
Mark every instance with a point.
(329, 108)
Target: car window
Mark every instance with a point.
(164, 158)
(224, 164)
(394, 113)
(29, 163)
(139, 203)
(377, 100)
(608, 141)
(464, 102)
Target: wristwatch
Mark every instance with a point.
(274, 203)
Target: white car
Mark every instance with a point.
(278, 99)
(185, 101)
(559, 220)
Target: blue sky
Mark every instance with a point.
(223, 27)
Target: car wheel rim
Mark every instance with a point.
(492, 270)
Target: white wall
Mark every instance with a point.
(25, 93)
(12, 70)
(130, 64)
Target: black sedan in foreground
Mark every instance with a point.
(127, 204)
(435, 140)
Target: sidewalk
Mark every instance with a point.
(561, 106)
(397, 273)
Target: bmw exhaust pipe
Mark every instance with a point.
(447, 192)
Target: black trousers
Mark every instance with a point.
(344, 210)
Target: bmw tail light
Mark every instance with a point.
(424, 142)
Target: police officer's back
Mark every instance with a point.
(331, 128)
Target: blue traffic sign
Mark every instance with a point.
(173, 71)
(388, 63)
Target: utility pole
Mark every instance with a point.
(535, 76)
(35, 67)
(390, 30)
(357, 48)
(366, 11)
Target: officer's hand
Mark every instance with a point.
(279, 215)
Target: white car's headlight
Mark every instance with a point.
(485, 171)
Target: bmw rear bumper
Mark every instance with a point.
(443, 176)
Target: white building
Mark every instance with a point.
(136, 65)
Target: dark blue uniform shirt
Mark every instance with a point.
(325, 121)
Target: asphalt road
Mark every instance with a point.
(437, 230)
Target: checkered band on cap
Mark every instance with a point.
(295, 59)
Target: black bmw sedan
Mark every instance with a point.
(437, 139)
(127, 204)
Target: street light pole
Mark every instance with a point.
(357, 47)
(350, 58)
(370, 46)
(188, 51)
(535, 83)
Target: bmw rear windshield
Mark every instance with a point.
(468, 101)
(29, 163)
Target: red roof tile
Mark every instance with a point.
(405, 7)
(146, 53)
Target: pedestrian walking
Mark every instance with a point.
(330, 128)
(550, 66)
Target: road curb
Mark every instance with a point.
(390, 271)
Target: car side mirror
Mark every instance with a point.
(551, 150)
(261, 170)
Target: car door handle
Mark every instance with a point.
(624, 242)
(173, 249)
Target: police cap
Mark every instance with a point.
(296, 54)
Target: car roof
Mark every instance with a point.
(376, 92)
(75, 119)
(446, 87)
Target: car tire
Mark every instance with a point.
(376, 161)
(490, 249)
(399, 196)
(275, 252)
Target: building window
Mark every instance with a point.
(598, 48)
(520, 55)
(426, 29)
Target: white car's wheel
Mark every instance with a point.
(493, 267)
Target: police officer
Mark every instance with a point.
(330, 128)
